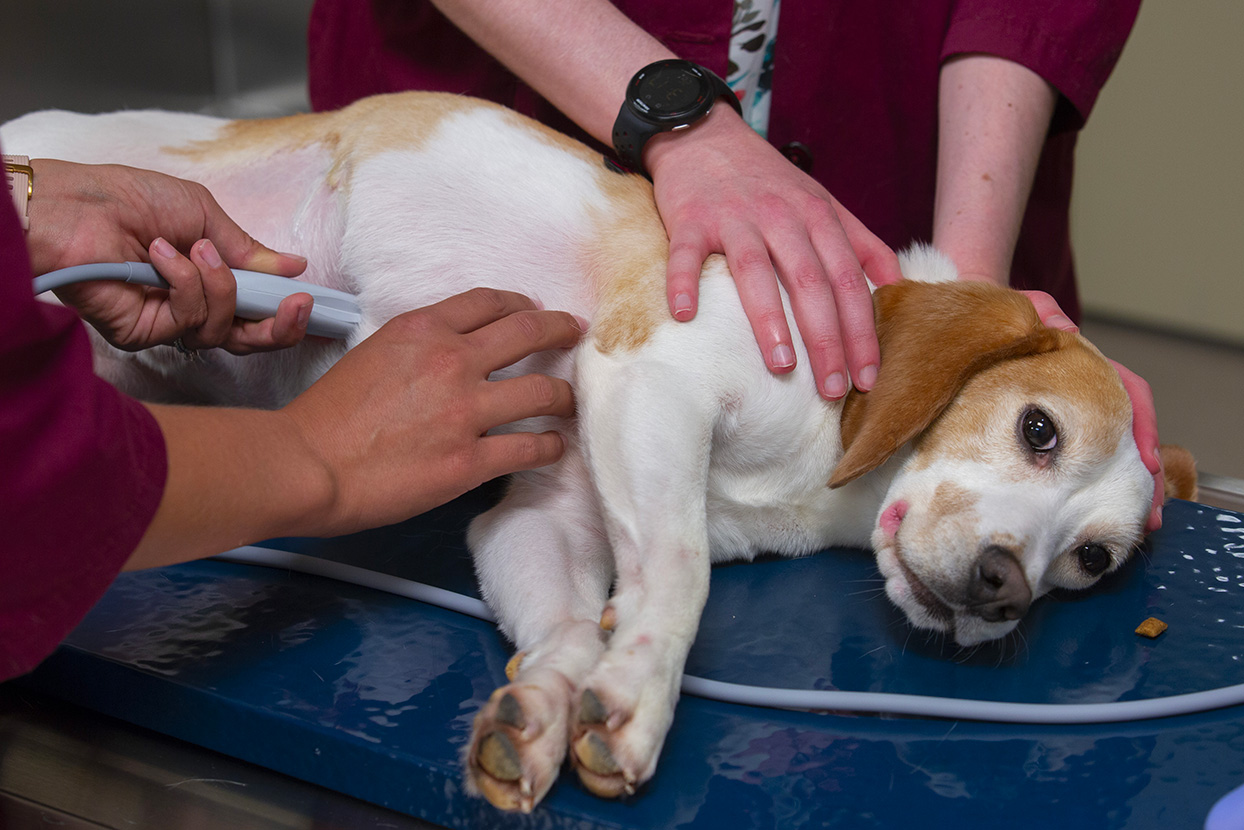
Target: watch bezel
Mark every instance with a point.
(705, 96)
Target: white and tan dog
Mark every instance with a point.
(993, 461)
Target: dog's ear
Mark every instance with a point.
(933, 337)
(1178, 471)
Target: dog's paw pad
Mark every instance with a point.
(517, 749)
(498, 757)
(591, 710)
(510, 713)
(591, 752)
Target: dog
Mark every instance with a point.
(992, 462)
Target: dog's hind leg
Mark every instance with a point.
(545, 570)
(650, 440)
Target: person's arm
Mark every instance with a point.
(396, 427)
(993, 118)
(719, 187)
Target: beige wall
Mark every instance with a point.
(1158, 212)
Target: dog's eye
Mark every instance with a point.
(1038, 430)
(1094, 559)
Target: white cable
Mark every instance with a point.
(774, 698)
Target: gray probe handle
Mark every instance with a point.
(335, 313)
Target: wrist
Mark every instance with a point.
(235, 477)
(721, 128)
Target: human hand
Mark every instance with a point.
(720, 187)
(109, 213)
(401, 421)
(1144, 413)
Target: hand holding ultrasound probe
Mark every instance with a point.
(357, 449)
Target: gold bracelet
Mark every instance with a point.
(19, 176)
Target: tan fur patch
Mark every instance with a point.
(950, 499)
(1179, 472)
(627, 264)
(350, 135)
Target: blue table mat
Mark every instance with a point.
(373, 695)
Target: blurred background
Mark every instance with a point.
(1158, 211)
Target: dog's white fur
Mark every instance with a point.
(686, 450)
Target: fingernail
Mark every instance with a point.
(209, 253)
(867, 377)
(304, 314)
(1058, 321)
(783, 356)
(581, 322)
(835, 386)
(298, 257)
(163, 248)
(683, 307)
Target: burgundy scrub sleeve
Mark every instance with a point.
(82, 467)
(1072, 44)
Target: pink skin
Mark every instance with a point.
(892, 517)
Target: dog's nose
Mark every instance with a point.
(999, 590)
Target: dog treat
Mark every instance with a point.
(1151, 628)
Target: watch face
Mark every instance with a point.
(671, 91)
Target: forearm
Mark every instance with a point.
(993, 118)
(579, 54)
(235, 477)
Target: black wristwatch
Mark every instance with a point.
(663, 96)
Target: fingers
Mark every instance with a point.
(202, 297)
(1145, 432)
(237, 247)
(286, 328)
(682, 277)
(526, 396)
(753, 272)
(478, 307)
(202, 292)
(851, 305)
(499, 455)
(503, 327)
(1049, 312)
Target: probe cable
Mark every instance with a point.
(775, 698)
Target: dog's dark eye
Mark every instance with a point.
(1038, 430)
(1094, 559)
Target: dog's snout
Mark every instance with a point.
(999, 590)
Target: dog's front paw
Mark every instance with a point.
(615, 742)
(517, 745)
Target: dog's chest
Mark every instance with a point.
(768, 491)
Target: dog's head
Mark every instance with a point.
(1023, 474)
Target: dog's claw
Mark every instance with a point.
(498, 757)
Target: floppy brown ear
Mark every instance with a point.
(1178, 471)
(933, 337)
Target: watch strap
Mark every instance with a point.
(631, 133)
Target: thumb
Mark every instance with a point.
(241, 250)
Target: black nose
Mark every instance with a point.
(998, 591)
